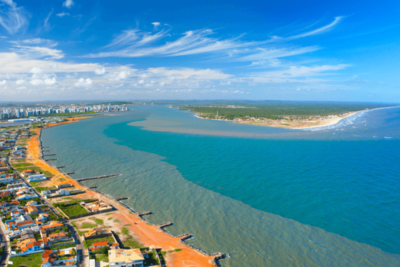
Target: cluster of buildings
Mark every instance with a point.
(60, 191)
(26, 112)
(32, 227)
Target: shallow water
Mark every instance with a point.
(266, 196)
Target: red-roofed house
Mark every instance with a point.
(99, 245)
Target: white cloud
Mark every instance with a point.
(100, 71)
(2, 83)
(156, 24)
(18, 82)
(193, 42)
(62, 14)
(50, 81)
(12, 18)
(317, 31)
(68, 3)
(36, 70)
(36, 82)
(301, 74)
(84, 82)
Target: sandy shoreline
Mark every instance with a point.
(296, 125)
(147, 234)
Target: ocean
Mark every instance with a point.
(264, 196)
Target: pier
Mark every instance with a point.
(50, 159)
(70, 173)
(60, 167)
(93, 187)
(98, 177)
(145, 213)
(121, 198)
(166, 224)
(48, 155)
(46, 151)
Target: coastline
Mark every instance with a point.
(286, 125)
(145, 232)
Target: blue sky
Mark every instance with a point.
(260, 50)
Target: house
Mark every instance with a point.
(97, 206)
(37, 177)
(27, 196)
(31, 203)
(125, 257)
(34, 246)
(96, 233)
(54, 238)
(54, 225)
(7, 179)
(26, 173)
(32, 210)
(43, 217)
(98, 245)
(52, 257)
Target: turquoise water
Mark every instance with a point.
(266, 196)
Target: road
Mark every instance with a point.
(6, 245)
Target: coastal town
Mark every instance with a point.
(50, 219)
(32, 112)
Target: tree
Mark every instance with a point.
(104, 250)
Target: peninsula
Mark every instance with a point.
(282, 114)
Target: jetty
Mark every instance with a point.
(98, 177)
(60, 167)
(48, 155)
(50, 159)
(166, 224)
(92, 187)
(121, 198)
(69, 173)
(145, 213)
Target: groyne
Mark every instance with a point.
(99, 177)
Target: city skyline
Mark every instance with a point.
(89, 50)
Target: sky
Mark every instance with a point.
(257, 50)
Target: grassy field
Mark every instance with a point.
(277, 109)
(25, 166)
(32, 260)
(71, 210)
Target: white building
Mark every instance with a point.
(37, 177)
(125, 257)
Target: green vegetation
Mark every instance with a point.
(276, 109)
(129, 240)
(98, 221)
(37, 236)
(125, 231)
(90, 242)
(23, 202)
(76, 227)
(67, 114)
(40, 189)
(116, 220)
(109, 219)
(65, 246)
(178, 249)
(24, 166)
(62, 242)
(71, 209)
(88, 225)
(31, 260)
(152, 259)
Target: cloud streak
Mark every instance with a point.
(12, 18)
(321, 30)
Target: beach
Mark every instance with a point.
(300, 124)
(144, 232)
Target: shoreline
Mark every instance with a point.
(145, 232)
(325, 122)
